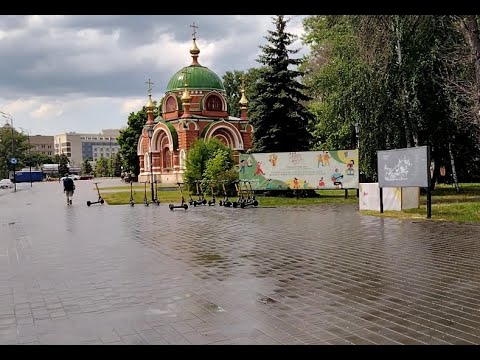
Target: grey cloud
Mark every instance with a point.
(37, 64)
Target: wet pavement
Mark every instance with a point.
(305, 275)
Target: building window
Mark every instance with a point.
(214, 103)
(171, 104)
(166, 158)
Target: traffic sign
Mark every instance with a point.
(13, 161)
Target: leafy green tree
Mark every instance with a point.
(62, 165)
(101, 167)
(277, 111)
(128, 138)
(86, 167)
(198, 156)
(390, 75)
(20, 149)
(117, 169)
(220, 167)
(232, 83)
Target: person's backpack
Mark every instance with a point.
(68, 184)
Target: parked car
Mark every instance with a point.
(71, 176)
(6, 184)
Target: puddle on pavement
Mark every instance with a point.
(214, 307)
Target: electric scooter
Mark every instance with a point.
(132, 202)
(212, 202)
(226, 202)
(201, 200)
(155, 200)
(100, 200)
(241, 198)
(145, 199)
(250, 200)
(183, 205)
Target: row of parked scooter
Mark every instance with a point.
(245, 193)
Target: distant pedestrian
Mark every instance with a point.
(68, 188)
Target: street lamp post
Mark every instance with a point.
(29, 155)
(9, 117)
(150, 135)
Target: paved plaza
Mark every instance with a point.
(210, 275)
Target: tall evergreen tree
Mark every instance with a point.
(279, 117)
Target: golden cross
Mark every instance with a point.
(185, 74)
(149, 86)
(195, 27)
(243, 81)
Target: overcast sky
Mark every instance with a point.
(87, 73)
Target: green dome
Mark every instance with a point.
(199, 77)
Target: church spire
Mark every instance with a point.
(243, 101)
(150, 105)
(194, 50)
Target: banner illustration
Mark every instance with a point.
(337, 169)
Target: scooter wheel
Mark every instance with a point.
(242, 205)
(102, 201)
(220, 203)
(235, 204)
(89, 203)
(255, 203)
(194, 204)
(204, 201)
(131, 204)
(170, 206)
(185, 206)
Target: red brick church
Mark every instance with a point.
(194, 107)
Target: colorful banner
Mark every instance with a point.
(300, 170)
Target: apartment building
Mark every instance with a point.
(79, 147)
(42, 144)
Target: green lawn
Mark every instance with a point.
(326, 197)
(447, 205)
(136, 186)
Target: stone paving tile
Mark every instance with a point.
(381, 281)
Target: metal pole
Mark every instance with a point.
(30, 157)
(429, 203)
(151, 171)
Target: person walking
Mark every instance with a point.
(68, 188)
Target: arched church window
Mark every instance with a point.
(171, 104)
(214, 103)
(167, 163)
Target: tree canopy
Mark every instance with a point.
(277, 110)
